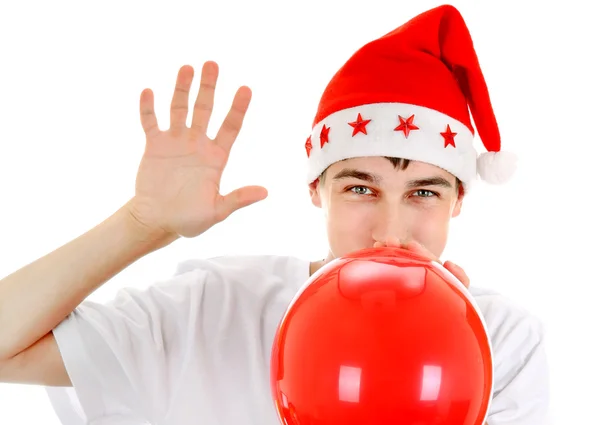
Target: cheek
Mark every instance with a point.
(431, 230)
(349, 226)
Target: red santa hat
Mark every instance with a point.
(408, 95)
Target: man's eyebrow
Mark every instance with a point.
(376, 179)
(352, 173)
(429, 181)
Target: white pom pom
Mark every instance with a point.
(496, 167)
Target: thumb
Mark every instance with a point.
(240, 198)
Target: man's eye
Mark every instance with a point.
(422, 193)
(360, 190)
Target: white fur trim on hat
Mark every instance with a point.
(424, 144)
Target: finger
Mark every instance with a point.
(458, 272)
(392, 241)
(240, 198)
(233, 121)
(203, 106)
(147, 114)
(389, 241)
(179, 103)
(417, 248)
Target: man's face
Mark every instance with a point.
(366, 200)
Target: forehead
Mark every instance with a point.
(385, 169)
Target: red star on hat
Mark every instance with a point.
(308, 146)
(359, 125)
(324, 135)
(448, 137)
(406, 125)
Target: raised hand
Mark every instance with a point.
(177, 187)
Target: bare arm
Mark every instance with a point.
(177, 195)
(37, 297)
(40, 364)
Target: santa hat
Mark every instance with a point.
(408, 95)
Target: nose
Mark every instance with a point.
(391, 226)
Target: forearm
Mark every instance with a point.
(37, 297)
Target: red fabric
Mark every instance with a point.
(429, 61)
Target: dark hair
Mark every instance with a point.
(402, 164)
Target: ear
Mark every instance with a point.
(459, 202)
(314, 191)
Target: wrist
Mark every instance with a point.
(140, 232)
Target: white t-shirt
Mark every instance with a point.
(196, 348)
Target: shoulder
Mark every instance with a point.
(508, 321)
(235, 264)
(518, 342)
(256, 270)
(269, 263)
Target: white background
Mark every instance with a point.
(70, 142)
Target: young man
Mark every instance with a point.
(196, 349)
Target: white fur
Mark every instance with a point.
(496, 167)
(425, 144)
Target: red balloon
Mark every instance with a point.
(382, 336)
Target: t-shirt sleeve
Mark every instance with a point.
(521, 391)
(121, 354)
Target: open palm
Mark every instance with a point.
(178, 181)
